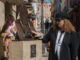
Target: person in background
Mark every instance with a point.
(47, 25)
(31, 24)
(63, 39)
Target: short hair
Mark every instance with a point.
(31, 16)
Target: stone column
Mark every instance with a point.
(2, 15)
(2, 21)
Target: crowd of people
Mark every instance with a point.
(62, 37)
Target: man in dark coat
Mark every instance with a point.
(63, 40)
(65, 50)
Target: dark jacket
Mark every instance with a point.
(68, 48)
(78, 34)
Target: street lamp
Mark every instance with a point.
(42, 17)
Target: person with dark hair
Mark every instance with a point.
(31, 21)
(63, 39)
(31, 26)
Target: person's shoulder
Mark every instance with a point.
(51, 31)
(72, 32)
(79, 32)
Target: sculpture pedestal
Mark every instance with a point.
(25, 50)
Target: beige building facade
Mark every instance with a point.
(46, 10)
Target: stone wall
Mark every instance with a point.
(25, 50)
(2, 15)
